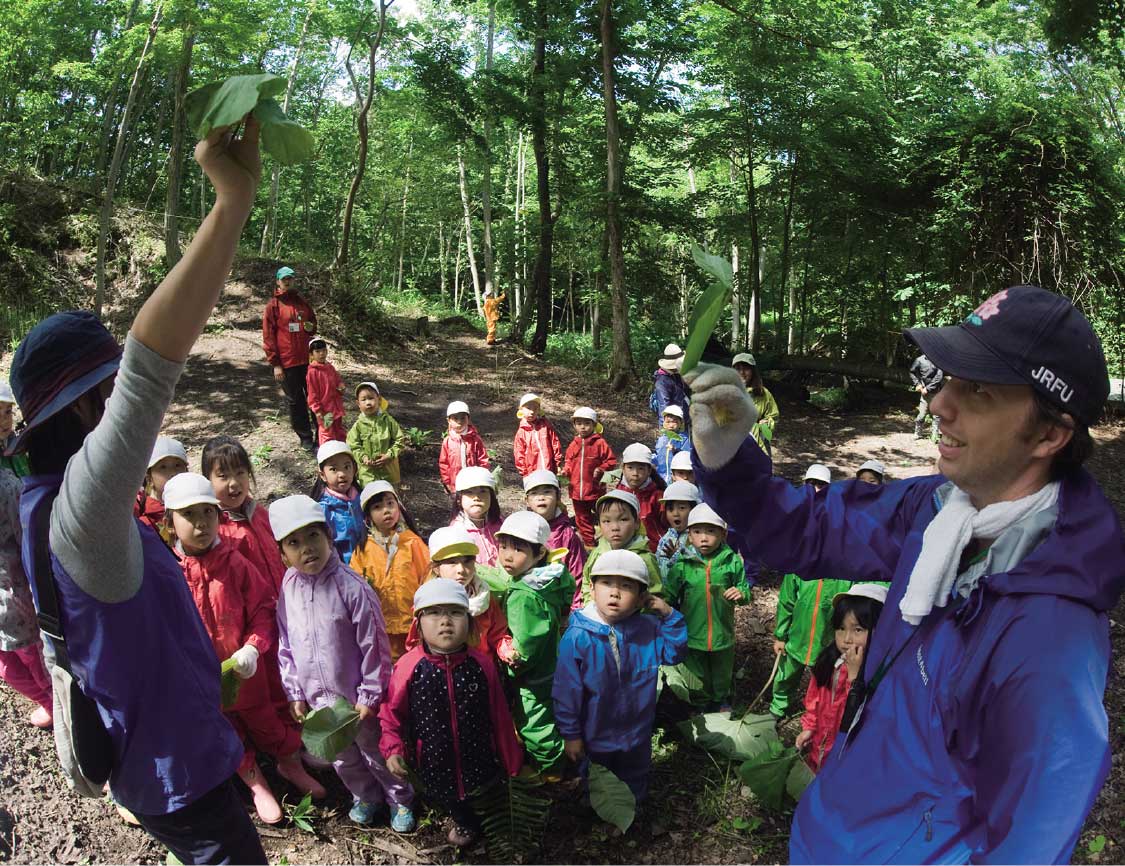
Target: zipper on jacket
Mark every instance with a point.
(929, 818)
(582, 470)
(710, 604)
(615, 649)
(812, 627)
(453, 723)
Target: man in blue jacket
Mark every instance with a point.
(977, 732)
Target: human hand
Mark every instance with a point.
(575, 750)
(245, 662)
(365, 712)
(802, 741)
(658, 605)
(382, 459)
(778, 647)
(397, 765)
(667, 548)
(233, 165)
(367, 461)
(327, 420)
(279, 373)
(722, 413)
(507, 653)
(732, 593)
(298, 710)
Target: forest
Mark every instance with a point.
(864, 166)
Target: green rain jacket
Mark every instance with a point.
(766, 426)
(639, 546)
(370, 437)
(804, 615)
(537, 607)
(695, 587)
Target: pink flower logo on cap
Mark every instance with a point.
(988, 309)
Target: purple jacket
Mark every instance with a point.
(564, 535)
(331, 638)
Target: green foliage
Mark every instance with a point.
(738, 739)
(327, 731)
(829, 399)
(261, 456)
(419, 438)
(709, 307)
(302, 814)
(611, 798)
(514, 816)
(225, 103)
(767, 774)
(1096, 845)
(230, 683)
(684, 683)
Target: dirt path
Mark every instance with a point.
(228, 388)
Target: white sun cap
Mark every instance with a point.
(621, 563)
(165, 446)
(818, 472)
(541, 478)
(6, 393)
(291, 513)
(450, 541)
(330, 449)
(456, 408)
(367, 384)
(474, 476)
(865, 590)
(188, 489)
(374, 489)
(744, 358)
(672, 359)
(681, 491)
(636, 453)
(585, 412)
(674, 410)
(529, 398)
(526, 525)
(682, 460)
(440, 590)
(873, 466)
(704, 515)
(625, 496)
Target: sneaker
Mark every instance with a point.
(462, 837)
(308, 445)
(41, 718)
(402, 819)
(363, 813)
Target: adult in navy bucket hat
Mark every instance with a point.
(977, 724)
(137, 648)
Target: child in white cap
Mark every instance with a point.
(619, 528)
(537, 606)
(375, 438)
(461, 446)
(338, 493)
(638, 478)
(476, 509)
(705, 585)
(236, 603)
(544, 496)
(393, 559)
(445, 713)
(681, 467)
(605, 684)
(871, 471)
(588, 459)
(18, 463)
(325, 389)
(332, 644)
(536, 444)
(671, 441)
(168, 459)
(678, 501)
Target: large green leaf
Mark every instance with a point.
(716, 266)
(329, 730)
(799, 778)
(734, 739)
(286, 141)
(224, 103)
(611, 798)
(683, 682)
(229, 684)
(766, 774)
(709, 308)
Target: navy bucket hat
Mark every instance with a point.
(59, 360)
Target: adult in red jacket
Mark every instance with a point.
(287, 324)
(588, 458)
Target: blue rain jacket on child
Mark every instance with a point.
(345, 521)
(605, 679)
(668, 444)
(987, 739)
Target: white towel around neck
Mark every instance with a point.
(949, 533)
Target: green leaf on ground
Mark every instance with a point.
(684, 684)
(800, 777)
(767, 774)
(229, 684)
(735, 739)
(329, 730)
(611, 798)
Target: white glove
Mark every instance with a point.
(245, 662)
(722, 413)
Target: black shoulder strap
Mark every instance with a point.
(47, 590)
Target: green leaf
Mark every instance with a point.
(229, 684)
(329, 730)
(716, 266)
(709, 308)
(228, 102)
(172, 860)
(285, 140)
(611, 798)
(767, 774)
(734, 739)
(799, 778)
(684, 683)
(1097, 845)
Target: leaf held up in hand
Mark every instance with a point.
(611, 798)
(229, 101)
(709, 308)
(285, 140)
(716, 266)
(327, 731)
(229, 684)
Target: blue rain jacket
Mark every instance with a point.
(345, 521)
(605, 680)
(668, 445)
(987, 739)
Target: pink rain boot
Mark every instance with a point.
(289, 768)
(41, 718)
(264, 801)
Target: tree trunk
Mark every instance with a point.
(176, 157)
(106, 217)
(791, 341)
(109, 108)
(468, 229)
(621, 366)
(853, 369)
(543, 296)
(402, 220)
(443, 259)
(596, 314)
(486, 152)
(457, 273)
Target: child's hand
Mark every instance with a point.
(803, 739)
(340, 387)
(658, 605)
(382, 459)
(778, 647)
(575, 750)
(298, 710)
(668, 547)
(733, 593)
(365, 712)
(367, 461)
(397, 765)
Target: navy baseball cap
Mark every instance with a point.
(1025, 335)
(59, 360)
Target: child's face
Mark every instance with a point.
(319, 355)
(583, 427)
(671, 422)
(870, 477)
(307, 549)
(746, 372)
(636, 474)
(706, 538)
(618, 524)
(384, 512)
(531, 410)
(161, 471)
(7, 419)
(516, 555)
(338, 473)
(462, 569)
(677, 514)
(368, 402)
(617, 598)
(543, 500)
(458, 423)
(683, 475)
(851, 639)
(816, 484)
(196, 527)
(475, 502)
(231, 486)
(444, 627)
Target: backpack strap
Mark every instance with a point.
(47, 595)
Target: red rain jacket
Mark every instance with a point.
(323, 384)
(536, 446)
(587, 460)
(288, 324)
(459, 451)
(824, 708)
(253, 537)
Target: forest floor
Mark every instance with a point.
(700, 812)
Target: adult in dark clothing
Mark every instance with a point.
(927, 378)
(288, 324)
(668, 387)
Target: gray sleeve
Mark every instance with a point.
(93, 532)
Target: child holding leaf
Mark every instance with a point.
(333, 644)
(325, 389)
